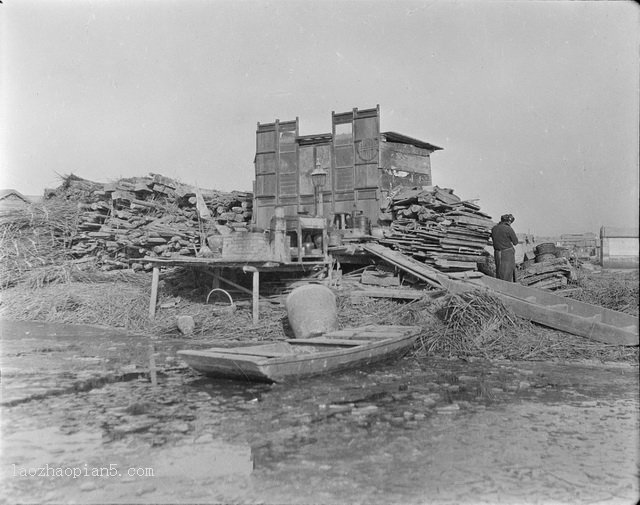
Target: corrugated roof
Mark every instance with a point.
(404, 139)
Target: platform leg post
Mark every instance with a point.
(154, 292)
(256, 296)
(255, 292)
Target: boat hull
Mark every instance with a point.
(300, 358)
(542, 307)
(579, 318)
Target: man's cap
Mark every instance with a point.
(507, 218)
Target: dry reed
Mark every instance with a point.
(477, 324)
(612, 290)
(37, 237)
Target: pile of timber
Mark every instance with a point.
(151, 216)
(550, 274)
(433, 225)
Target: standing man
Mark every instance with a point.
(504, 241)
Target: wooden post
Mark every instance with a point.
(154, 292)
(216, 279)
(152, 366)
(256, 292)
(300, 250)
(325, 242)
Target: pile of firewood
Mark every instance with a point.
(436, 227)
(549, 274)
(152, 216)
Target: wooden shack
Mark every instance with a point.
(12, 200)
(362, 165)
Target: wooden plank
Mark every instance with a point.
(351, 334)
(402, 294)
(407, 264)
(373, 332)
(529, 280)
(464, 275)
(466, 265)
(328, 341)
(385, 328)
(477, 221)
(211, 357)
(239, 352)
(377, 279)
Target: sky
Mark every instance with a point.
(535, 104)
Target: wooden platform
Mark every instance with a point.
(217, 264)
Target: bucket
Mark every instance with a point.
(312, 310)
(362, 223)
(545, 248)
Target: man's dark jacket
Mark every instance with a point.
(503, 236)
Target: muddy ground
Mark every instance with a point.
(82, 422)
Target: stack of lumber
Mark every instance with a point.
(551, 274)
(147, 216)
(434, 226)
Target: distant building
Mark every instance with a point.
(362, 164)
(583, 245)
(619, 247)
(10, 200)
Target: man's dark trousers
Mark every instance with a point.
(505, 264)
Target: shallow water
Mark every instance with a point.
(414, 431)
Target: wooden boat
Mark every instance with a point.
(297, 358)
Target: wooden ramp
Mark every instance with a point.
(579, 318)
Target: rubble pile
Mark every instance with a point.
(147, 216)
(433, 225)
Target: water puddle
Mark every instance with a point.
(450, 430)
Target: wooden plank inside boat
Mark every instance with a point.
(207, 357)
(370, 332)
(328, 341)
(256, 352)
